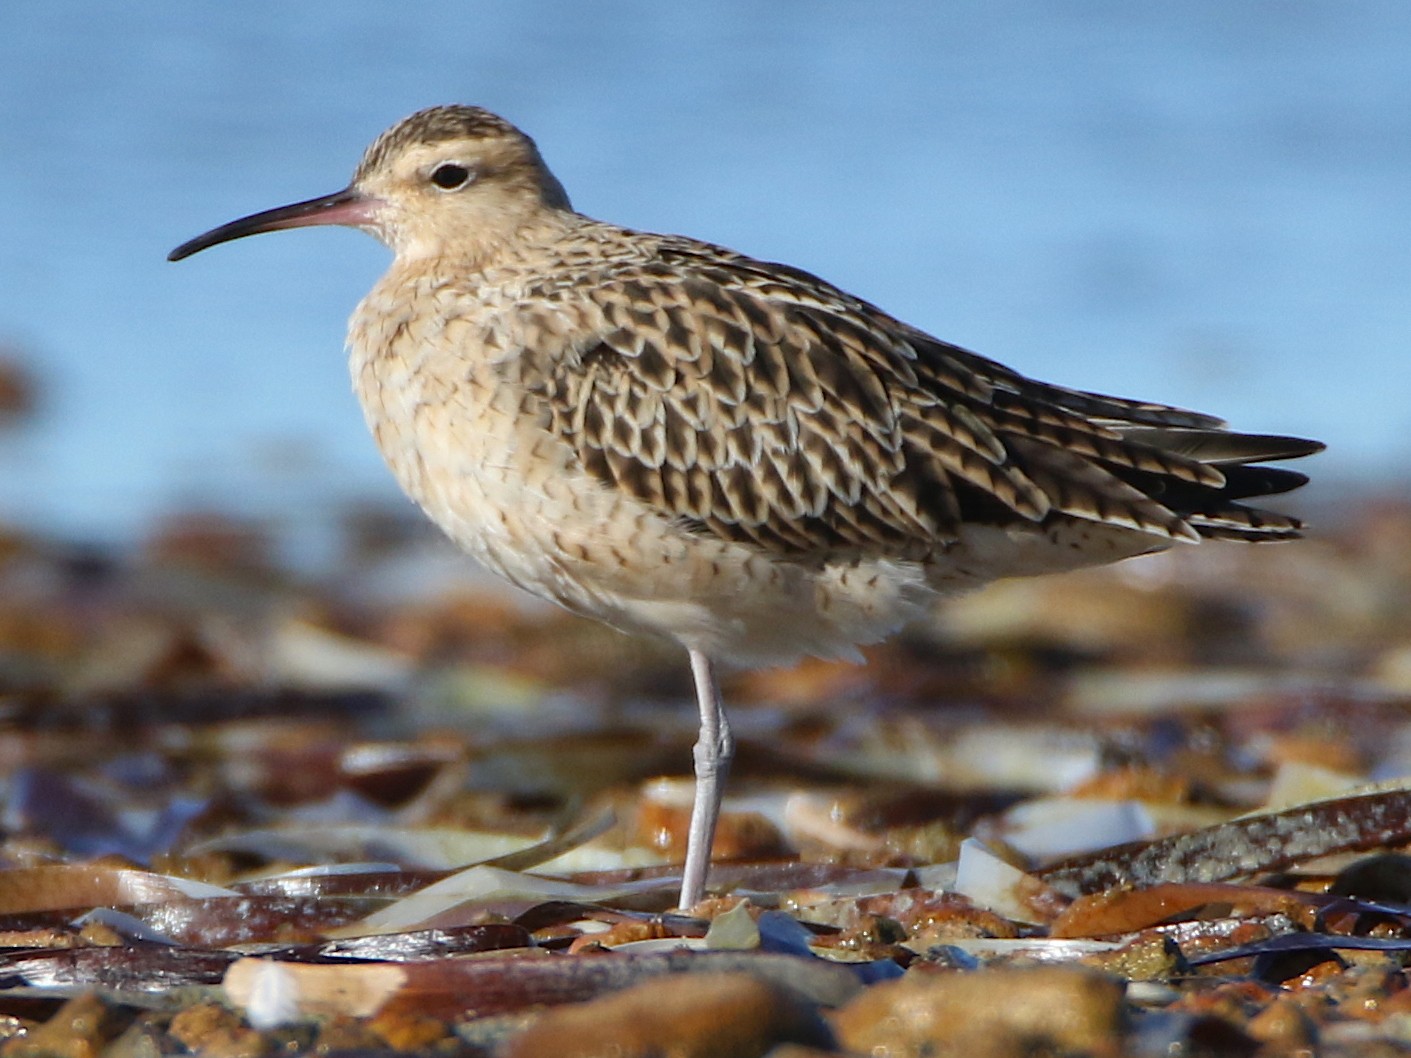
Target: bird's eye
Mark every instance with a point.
(450, 176)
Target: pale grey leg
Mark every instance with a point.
(713, 751)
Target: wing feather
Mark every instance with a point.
(758, 403)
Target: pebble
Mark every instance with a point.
(1002, 1013)
(696, 1015)
(81, 1028)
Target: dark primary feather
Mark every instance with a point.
(760, 404)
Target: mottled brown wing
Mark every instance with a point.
(760, 404)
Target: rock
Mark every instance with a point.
(81, 1028)
(343, 1033)
(407, 1031)
(216, 1031)
(142, 1039)
(693, 1015)
(986, 1014)
(1284, 1025)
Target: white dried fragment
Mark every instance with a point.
(266, 989)
(1051, 828)
(992, 883)
(275, 993)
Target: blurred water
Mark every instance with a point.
(1204, 202)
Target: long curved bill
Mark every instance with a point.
(349, 207)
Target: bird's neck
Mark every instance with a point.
(484, 246)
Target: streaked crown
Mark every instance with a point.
(437, 125)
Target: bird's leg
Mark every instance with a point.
(713, 751)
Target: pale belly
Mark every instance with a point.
(474, 453)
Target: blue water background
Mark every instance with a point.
(1206, 202)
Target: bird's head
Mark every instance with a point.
(450, 180)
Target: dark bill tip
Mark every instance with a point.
(342, 207)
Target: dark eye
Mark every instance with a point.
(450, 176)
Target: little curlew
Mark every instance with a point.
(681, 440)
